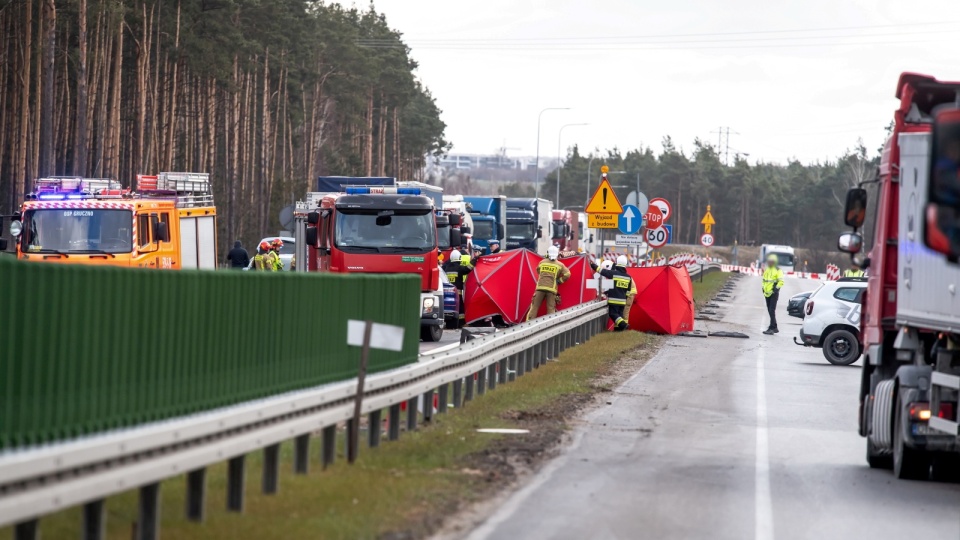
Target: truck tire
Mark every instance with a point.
(877, 459)
(908, 463)
(841, 347)
(431, 333)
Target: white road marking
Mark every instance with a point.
(763, 501)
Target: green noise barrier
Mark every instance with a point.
(89, 349)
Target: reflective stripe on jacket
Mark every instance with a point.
(623, 285)
(550, 274)
(772, 280)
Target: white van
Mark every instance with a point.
(785, 256)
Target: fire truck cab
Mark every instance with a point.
(169, 222)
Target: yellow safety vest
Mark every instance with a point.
(853, 273)
(772, 279)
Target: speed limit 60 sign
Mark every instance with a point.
(657, 237)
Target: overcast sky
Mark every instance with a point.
(793, 78)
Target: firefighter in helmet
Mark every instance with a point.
(550, 274)
(277, 263)
(260, 259)
(622, 293)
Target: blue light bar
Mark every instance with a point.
(408, 191)
(52, 197)
(367, 190)
(75, 196)
(358, 191)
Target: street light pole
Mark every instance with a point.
(539, 117)
(589, 166)
(560, 158)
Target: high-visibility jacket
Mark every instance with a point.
(260, 262)
(551, 274)
(772, 280)
(853, 273)
(277, 262)
(270, 261)
(456, 273)
(623, 285)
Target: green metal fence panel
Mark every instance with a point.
(86, 349)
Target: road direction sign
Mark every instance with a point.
(708, 221)
(629, 240)
(658, 237)
(706, 240)
(669, 229)
(630, 220)
(604, 201)
(602, 221)
(664, 207)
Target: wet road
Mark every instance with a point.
(727, 438)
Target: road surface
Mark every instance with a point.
(727, 438)
(449, 337)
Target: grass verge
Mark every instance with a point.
(704, 291)
(402, 489)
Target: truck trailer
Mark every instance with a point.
(911, 313)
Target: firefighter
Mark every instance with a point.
(853, 271)
(457, 271)
(623, 291)
(278, 264)
(772, 283)
(260, 259)
(550, 274)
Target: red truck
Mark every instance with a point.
(376, 229)
(565, 230)
(911, 313)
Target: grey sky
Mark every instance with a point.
(494, 64)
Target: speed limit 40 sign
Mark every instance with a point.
(706, 240)
(658, 237)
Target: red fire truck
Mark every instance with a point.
(911, 313)
(376, 229)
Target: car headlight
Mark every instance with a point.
(428, 303)
(16, 228)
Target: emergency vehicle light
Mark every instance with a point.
(52, 196)
(382, 190)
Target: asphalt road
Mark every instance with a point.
(727, 438)
(449, 337)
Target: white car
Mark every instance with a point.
(286, 252)
(832, 320)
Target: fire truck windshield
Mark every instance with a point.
(399, 232)
(77, 230)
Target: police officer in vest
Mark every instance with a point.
(853, 271)
(772, 283)
(623, 287)
(550, 274)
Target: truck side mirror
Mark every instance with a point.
(311, 236)
(161, 232)
(539, 232)
(313, 218)
(850, 242)
(456, 220)
(855, 210)
(942, 230)
(465, 230)
(455, 237)
(501, 231)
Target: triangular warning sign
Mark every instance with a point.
(604, 200)
(708, 218)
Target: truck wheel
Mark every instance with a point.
(908, 463)
(841, 347)
(876, 459)
(431, 333)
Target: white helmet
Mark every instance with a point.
(553, 252)
(606, 265)
(455, 256)
(622, 260)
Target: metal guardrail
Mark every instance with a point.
(47, 479)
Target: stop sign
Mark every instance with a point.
(654, 217)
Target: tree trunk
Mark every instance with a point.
(47, 163)
(21, 173)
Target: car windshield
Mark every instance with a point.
(400, 232)
(77, 230)
(784, 259)
(558, 231)
(443, 237)
(483, 229)
(522, 231)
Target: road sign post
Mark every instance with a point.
(604, 208)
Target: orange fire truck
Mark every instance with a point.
(170, 221)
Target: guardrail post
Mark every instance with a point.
(352, 452)
(301, 454)
(148, 522)
(94, 520)
(468, 393)
(504, 367)
(196, 495)
(374, 428)
(270, 482)
(393, 421)
(235, 482)
(521, 364)
(412, 413)
(482, 381)
(328, 445)
(27, 530)
(428, 405)
(458, 393)
(442, 395)
(493, 374)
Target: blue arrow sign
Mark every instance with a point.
(630, 220)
